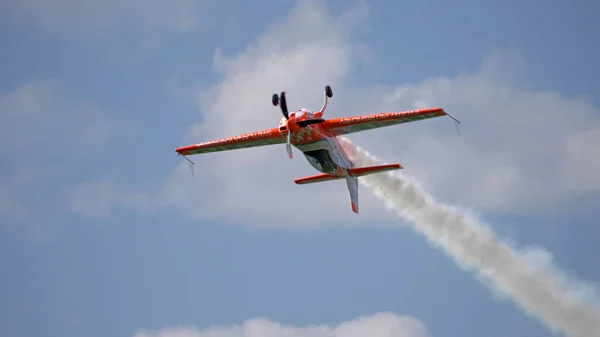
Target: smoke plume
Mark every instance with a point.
(528, 277)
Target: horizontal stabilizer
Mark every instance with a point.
(317, 179)
(355, 172)
(363, 171)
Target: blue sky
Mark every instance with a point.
(105, 233)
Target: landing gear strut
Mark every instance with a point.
(277, 99)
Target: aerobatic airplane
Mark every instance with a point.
(317, 139)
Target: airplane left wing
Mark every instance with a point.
(253, 139)
(346, 125)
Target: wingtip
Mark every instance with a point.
(354, 207)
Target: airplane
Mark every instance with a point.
(316, 138)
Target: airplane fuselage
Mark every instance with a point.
(320, 147)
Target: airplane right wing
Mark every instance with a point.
(346, 125)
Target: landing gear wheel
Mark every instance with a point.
(275, 99)
(328, 91)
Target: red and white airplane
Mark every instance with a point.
(317, 139)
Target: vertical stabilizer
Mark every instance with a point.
(352, 183)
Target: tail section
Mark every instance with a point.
(352, 183)
(363, 171)
(317, 179)
(351, 179)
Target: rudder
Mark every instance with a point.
(352, 183)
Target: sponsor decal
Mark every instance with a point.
(378, 117)
(236, 139)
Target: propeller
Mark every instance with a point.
(288, 145)
(280, 100)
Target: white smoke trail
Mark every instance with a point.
(540, 289)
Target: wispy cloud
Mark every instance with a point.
(92, 199)
(521, 150)
(127, 30)
(244, 182)
(381, 325)
(49, 141)
(516, 149)
(97, 18)
(528, 277)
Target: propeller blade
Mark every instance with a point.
(283, 105)
(288, 144)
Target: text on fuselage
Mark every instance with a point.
(379, 116)
(235, 139)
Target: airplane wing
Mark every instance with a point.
(258, 138)
(346, 125)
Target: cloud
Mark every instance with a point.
(381, 325)
(521, 150)
(48, 140)
(260, 181)
(96, 16)
(92, 199)
(528, 277)
(39, 118)
(95, 199)
(128, 30)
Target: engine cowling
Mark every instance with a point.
(289, 124)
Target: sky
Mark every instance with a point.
(104, 232)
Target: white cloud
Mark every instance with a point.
(259, 181)
(380, 325)
(124, 30)
(520, 149)
(39, 121)
(95, 199)
(47, 139)
(582, 160)
(92, 199)
(96, 17)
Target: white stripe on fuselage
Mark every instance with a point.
(333, 147)
(344, 161)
